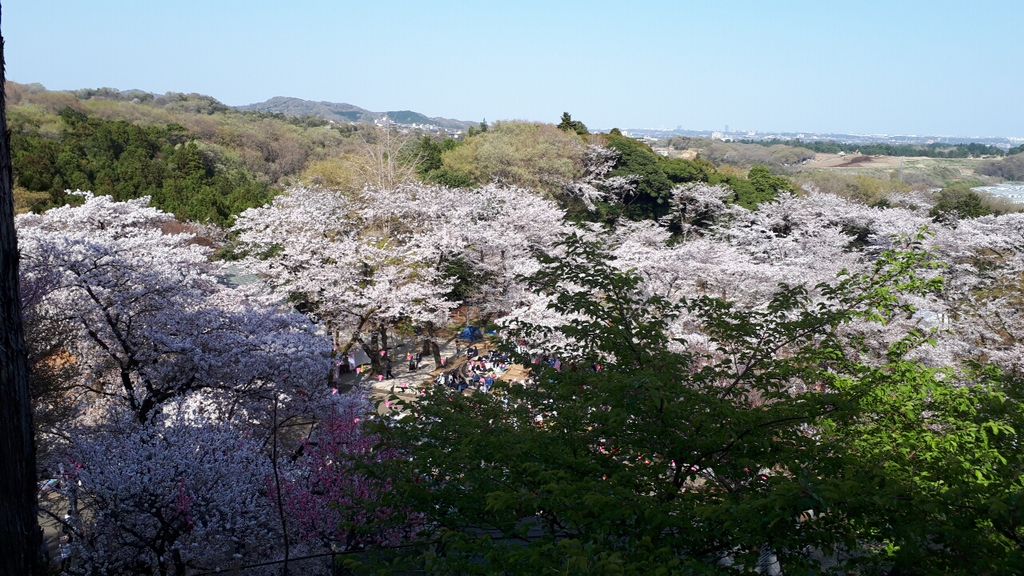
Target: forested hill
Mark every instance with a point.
(337, 111)
(196, 157)
(193, 155)
(342, 112)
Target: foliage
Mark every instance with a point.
(380, 157)
(656, 175)
(1011, 167)
(783, 443)
(758, 186)
(959, 200)
(935, 150)
(536, 156)
(431, 168)
(783, 423)
(765, 186)
(430, 151)
(128, 161)
(478, 129)
(570, 125)
(337, 173)
(271, 150)
(857, 187)
(149, 323)
(744, 155)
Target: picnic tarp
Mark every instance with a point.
(516, 373)
(359, 355)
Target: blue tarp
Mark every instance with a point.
(471, 333)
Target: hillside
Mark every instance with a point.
(343, 112)
(195, 156)
(297, 107)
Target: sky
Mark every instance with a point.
(866, 67)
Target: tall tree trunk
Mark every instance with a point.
(383, 331)
(372, 349)
(332, 373)
(20, 537)
(436, 351)
(430, 347)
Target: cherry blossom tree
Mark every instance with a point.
(354, 262)
(697, 205)
(596, 183)
(984, 290)
(177, 376)
(151, 320)
(366, 263)
(175, 379)
(164, 499)
(745, 256)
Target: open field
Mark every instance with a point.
(904, 172)
(879, 166)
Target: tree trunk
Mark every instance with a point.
(435, 350)
(372, 350)
(384, 339)
(332, 373)
(20, 537)
(430, 346)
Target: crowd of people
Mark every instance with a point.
(476, 367)
(479, 372)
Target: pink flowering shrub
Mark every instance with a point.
(332, 500)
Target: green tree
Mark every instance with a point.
(536, 156)
(663, 462)
(764, 186)
(570, 125)
(958, 200)
(479, 129)
(126, 160)
(431, 165)
(657, 175)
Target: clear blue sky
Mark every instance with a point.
(897, 66)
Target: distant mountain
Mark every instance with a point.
(337, 111)
(342, 112)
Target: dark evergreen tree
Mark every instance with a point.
(570, 125)
(20, 536)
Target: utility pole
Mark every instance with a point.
(20, 536)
